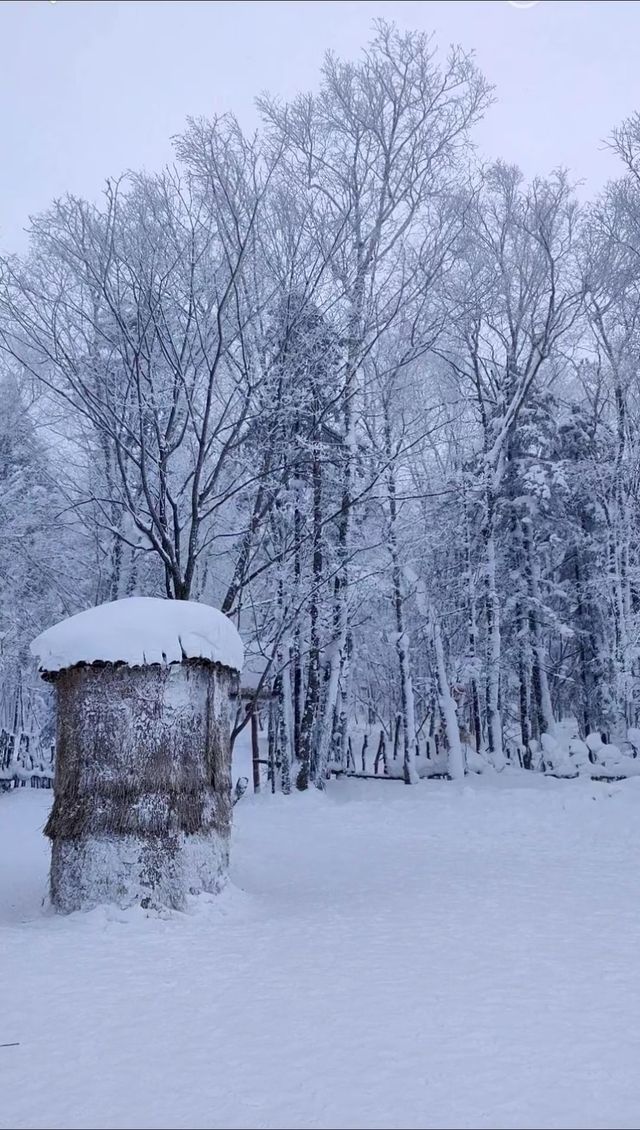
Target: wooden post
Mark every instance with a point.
(364, 753)
(380, 754)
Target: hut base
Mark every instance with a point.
(132, 870)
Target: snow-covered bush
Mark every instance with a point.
(566, 754)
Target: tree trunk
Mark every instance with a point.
(311, 710)
(494, 721)
(447, 704)
(540, 680)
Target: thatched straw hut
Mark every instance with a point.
(142, 808)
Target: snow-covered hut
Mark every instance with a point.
(142, 804)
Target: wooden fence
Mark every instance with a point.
(25, 761)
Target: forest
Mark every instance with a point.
(373, 397)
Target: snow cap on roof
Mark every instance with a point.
(140, 631)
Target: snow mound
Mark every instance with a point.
(140, 631)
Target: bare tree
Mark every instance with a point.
(134, 315)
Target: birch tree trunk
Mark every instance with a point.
(402, 638)
(456, 761)
(329, 710)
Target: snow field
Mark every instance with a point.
(441, 956)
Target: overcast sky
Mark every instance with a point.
(88, 89)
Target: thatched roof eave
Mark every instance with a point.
(100, 664)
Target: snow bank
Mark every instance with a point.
(140, 631)
(566, 754)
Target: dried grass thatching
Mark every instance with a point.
(141, 751)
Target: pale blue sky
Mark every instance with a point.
(88, 89)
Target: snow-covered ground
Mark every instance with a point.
(441, 956)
